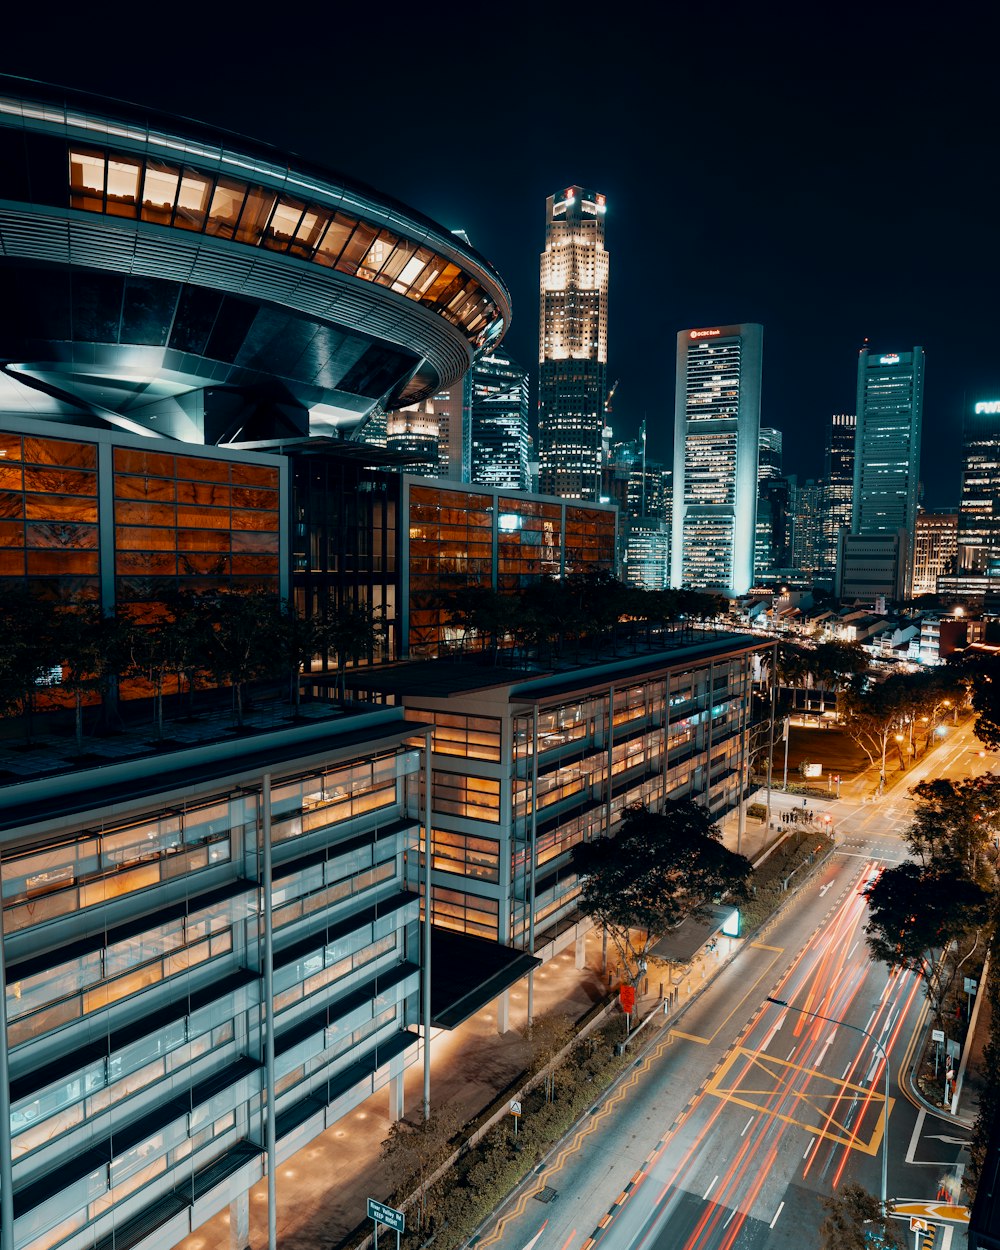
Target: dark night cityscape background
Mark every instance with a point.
(830, 176)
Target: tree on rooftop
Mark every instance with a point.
(93, 649)
(27, 656)
(353, 632)
(240, 633)
(299, 639)
(659, 868)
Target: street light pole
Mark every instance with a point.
(780, 1002)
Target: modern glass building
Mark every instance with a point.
(769, 462)
(499, 422)
(716, 439)
(838, 485)
(163, 918)
(934, 550)
(572, 345)
(158, 276)
(979, 511)
(887, 449)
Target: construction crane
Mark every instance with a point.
(611, 395)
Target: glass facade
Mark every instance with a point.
(505, 541)
(887, 448)
(174, 519)
(573, 345)
(716, 457)
(545, 771)
(186, 197)
(499, 422)
(136, 955)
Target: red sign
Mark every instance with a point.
(626, 996)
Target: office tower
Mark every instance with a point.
(934, 548)
(499, 422)
(572, 345)
(453, 409)
(887, 449)
(979, 511)
(769, 455)
(774, 525)
(838, 485)
(807, 527)
(716, 434)
(414, 432)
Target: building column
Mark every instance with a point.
(503, 1012)
(397, 1094)
(581, 951)
(239, 1222)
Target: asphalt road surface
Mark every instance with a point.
(731, 1127)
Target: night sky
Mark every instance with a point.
(830, 172)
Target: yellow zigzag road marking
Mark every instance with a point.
(756, 1099)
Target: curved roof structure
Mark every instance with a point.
(176, 280)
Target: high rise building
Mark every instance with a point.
(838, 485)
(887, 449)
(807, 528)
(769, 457)
(979, 514)
(499, 422)
(716, 436)
(572, 345)
(934, 547)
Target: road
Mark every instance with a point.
(731, 1128)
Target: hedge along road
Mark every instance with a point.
(716, 1115)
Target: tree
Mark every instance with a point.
(916, 914)
(981, 669)
(158, 649)
(414, 1151)
(956, 825)
(353, 632)
(93, 648)
(27, 655)
(240, 632)
(659, 868)
(855, 1221)
(299, 639)
(548, 1036)
(872, 715)
(834, 663)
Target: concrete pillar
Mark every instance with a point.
(503, 1012)
(239, 1222)
(397, 1107)
(581, 952)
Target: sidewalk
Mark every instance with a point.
(322, 1190)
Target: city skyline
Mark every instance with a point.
(804, 176)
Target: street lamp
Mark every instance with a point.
(780, 1002)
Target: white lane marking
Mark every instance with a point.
(847, 1069)
(916, 1135)
(824, 888)
(730, 1220)
(789, 1055)
(826, 1046)
(709, 1189)
(812, 1142)
(853, 949)
(868, 1024)
(949, 1232)
(749, 1122)
(776, 1214)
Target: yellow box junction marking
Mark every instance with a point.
(825, 1094)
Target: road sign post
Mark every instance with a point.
(971, 985)
(919, 1225)
(937, 1037)
(515, 1110)
(379, 1213)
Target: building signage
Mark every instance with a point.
(705, 334)
(891, 359)
(988, 406)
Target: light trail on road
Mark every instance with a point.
(827, 977)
